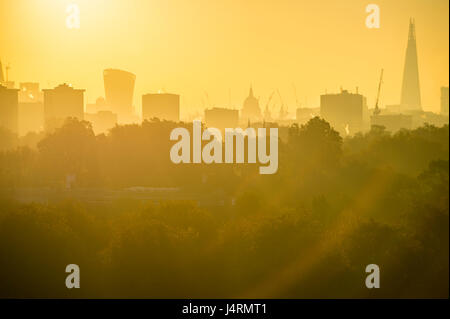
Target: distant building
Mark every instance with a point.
(101, 121)
(304, 114)
(392, 122)
(119, 90)
(9, 84)
(9, 104)
(60, 103)
(221, 118)
(30, 92)
(31, 108)
(444, 101)
(410, 97)
(421, 118)
(346, 112)
(31, 117)
(163, 106)
(250, 110)
(99, 105)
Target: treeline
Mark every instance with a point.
(130, 155)
(334, 207)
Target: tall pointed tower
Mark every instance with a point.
(410, 99)
(2, 78)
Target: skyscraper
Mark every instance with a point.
(60, 103)
(9, 100)
(31, 108)
(119, 89)
(410, 99)
(346, 112)
(30, 92)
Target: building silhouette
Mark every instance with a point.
(100, 116)
(164, 106)
(99, 105)
(250, 110)
(221, 118)
(2, 77)
(410, 96)
(346, 112)
(9, 84)
(30, 92)
(31, 117)
(31, 108)
(392, 122)
(101, 121)
(119, 90)
(444, 101)
(9, 105)
(60, 103)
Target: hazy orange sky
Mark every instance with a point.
(192, 46)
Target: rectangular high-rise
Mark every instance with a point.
(119, 90)
(9, 104)
(346, 112)
(163, 106)
(31, 108)
(221, 118)
(30, 93)
(60, 103)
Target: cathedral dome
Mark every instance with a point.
(250, 109)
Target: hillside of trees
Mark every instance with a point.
(334, 206)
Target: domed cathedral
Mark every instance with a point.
(250, 110)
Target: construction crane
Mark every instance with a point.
(377, 109)
(283, 112)
(267, 114)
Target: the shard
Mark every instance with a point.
(410, 99)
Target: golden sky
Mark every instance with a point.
(192, 46)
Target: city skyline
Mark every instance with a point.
(243, 149)
(307, 69)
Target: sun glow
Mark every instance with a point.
(193, 46)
